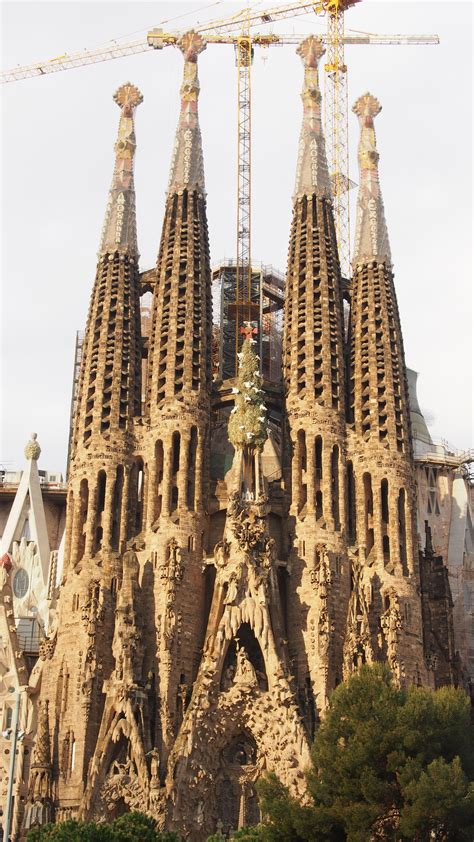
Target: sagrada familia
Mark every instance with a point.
(204, 620)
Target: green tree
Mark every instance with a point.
(72, 831)
(127, 828)
(382, 753)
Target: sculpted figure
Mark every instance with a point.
(245, 672)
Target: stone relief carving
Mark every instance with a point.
(391, 623)
(358, 641)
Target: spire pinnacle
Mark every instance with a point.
(312, 174)
(371, 238)
(187, 169)
(119, 231)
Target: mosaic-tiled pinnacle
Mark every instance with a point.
(371, 238)
(312, 174)
(187, 170)
(120, 230)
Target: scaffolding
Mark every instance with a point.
(266, 296)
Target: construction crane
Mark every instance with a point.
(237, 30)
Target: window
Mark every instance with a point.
(20, 583)
(433, 501)
(7, 717)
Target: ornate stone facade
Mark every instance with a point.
(203, 620)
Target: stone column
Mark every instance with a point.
(295, 475)
(409, 530)
(326, 484)
(360, 514)
(91, 518)
(145, 484)
(183, 475)
(107, 514)
(124, 508)
(198, 478)
(166, 482)
(68, 544)
(152, 493)
(377, 519)
(310, 473)
(342, 492)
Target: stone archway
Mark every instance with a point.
(237, 802)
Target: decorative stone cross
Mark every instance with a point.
(248, 331)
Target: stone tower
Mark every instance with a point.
(105, 489)
(384, 620)
(314, 383)
(234, 548)
(177, 415)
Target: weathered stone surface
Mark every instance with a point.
(204, 621)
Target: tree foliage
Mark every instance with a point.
(127, 828)
(382, 752)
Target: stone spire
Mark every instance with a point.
(179, 359)
(371, 238)
(109, 383)
(187, 170)
(120, 231)
(312, 174)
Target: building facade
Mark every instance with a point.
(236, 547)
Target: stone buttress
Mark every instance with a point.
(104, 507)
(313, 369)
(384, 620)
(177, 416)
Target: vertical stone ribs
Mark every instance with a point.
(180, 357)
(378, 403)
(313, 346)
(313, 358)
(109, 389)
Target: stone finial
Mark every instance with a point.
(191, 44)
(128, 97)
(32, 449)
(312, 174)
(120, 231)
(367, 106)
(311, 50)
(371, 236)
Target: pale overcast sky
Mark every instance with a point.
(57, 155)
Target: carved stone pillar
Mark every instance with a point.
(91, 518)
(393, 532)
(310, 474)
(377, 521)
(167, 479)
(183, 475)
(108, 513)
(124, 509)
(199, 471)
(295, 476)
(327, 484)
(152, 493)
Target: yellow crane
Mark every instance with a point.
(237, 30)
